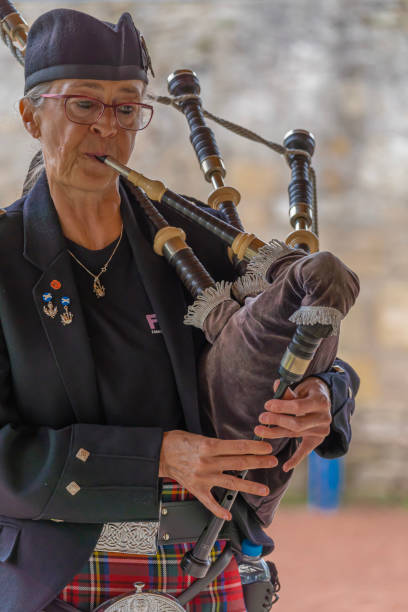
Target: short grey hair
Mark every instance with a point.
(37, 163)
(34, 94)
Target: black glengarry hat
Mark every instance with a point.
(68, 44)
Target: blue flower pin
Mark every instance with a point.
(47, 297)
(65, 301)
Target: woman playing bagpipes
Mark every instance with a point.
(99, 409)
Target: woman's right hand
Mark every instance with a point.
(199, 463)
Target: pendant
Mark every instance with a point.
(98, 288)
(49, 309)
(67, 316)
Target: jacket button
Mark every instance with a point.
(73, 488)
(164, 511)
(82, 454)
(166, 536)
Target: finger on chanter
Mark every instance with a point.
(298, 402)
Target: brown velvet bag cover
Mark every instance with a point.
(238, 370)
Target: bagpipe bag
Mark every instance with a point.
(238, 368)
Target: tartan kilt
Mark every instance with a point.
(107, 575)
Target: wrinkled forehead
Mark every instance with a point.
(95, 87)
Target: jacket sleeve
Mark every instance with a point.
(343, 383)
(82, 473)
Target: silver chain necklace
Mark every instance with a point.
(98, 288)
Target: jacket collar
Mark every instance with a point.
(44, 247)
(43, 239)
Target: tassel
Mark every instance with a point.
(325, 315)
(253, 282)
(249, 285)
(265, 257)
(206, 302)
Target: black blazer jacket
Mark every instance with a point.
(49, 407)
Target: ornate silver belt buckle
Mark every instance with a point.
(148, 601)
(137, 538)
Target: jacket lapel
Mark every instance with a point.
(166, 296)
(44, 247)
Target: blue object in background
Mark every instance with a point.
(325, 482)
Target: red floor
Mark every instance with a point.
(354, 560)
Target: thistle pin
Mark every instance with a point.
(49, 309)
(67, 316)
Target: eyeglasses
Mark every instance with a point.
(133, 116)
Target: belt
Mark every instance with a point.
(180, 521)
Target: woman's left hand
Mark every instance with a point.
(302, 413)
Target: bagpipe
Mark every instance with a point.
(280, 318)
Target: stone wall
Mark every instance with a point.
(337, 68)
